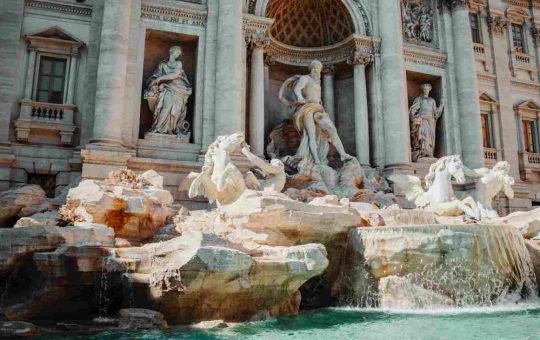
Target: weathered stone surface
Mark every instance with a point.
(139, 318)
(533, 246)
(134, 206)
(400, 293)
(17, 329)
(188, 281)
(212, 324)
(49, 218)
(470, 264)
(20, 202)
(528, 222)
(16, 243)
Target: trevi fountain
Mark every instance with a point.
(283, 228)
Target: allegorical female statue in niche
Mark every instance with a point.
(167, 95)
(424, 115)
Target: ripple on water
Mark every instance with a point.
(501, 322)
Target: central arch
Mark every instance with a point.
(355, 8)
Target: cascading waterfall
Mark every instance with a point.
(437, 266)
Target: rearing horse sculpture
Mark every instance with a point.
(439, 196)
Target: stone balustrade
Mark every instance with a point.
(479, 49)
(39, 116)
(529, 164)
(491, 156)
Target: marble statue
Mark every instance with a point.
(219, 179)
(439, 196)
(489, 182)
(303, 92)
(222, 182)
(168, 92)
(273, 172)
(417, 21)
(424, 114)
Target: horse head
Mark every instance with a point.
(452, 165)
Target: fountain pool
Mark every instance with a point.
(503, 322)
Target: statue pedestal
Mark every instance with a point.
(166, 138)
(421, 167)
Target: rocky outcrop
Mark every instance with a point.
(135, 206)
(49, 218)
(189, 279)
(20, 202)
(528, 222)
(467, 264)
(18, 243)
(139, 318)
(17, 329)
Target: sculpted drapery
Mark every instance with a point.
(168, 92)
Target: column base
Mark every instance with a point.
(402, 168)
(98, 163)
(6, 162)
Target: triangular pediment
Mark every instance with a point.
(484, 97)
(55, 32)
(529, 105)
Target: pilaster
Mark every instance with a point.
(498, 25)
(360, 61)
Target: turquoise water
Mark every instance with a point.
(334, 324)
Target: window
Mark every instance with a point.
(46, 182)
(50, 86)
(487, 130)
(518, 39)
(529, 136)
(475, 28)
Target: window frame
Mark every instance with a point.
(523, 38)
(533, 134)
(477, 17)
(52, 77)
(489, 127)
(37, 70)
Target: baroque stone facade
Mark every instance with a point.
(73, 76)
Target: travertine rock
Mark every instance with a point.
(49, 218)
(468, 264)
(17, 329)
(21, 202)
(400, 293)
(189, 281)
(17, 243)
(528, 222)
(134, 206)
(139, 318)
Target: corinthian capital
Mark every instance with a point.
(256, 39)
(456, 4)
(360, 58)
(497, 23)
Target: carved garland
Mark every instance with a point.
(497, 23)
(342, 51)
(56, 7)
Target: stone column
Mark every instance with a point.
(71, 81)
(467, 87)
(111, 76)
(328, 91)
(229, 68)
(361, 118)
(29, 80)
(519, 131)
(397, 141)
(257, 43)
(506, 117)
